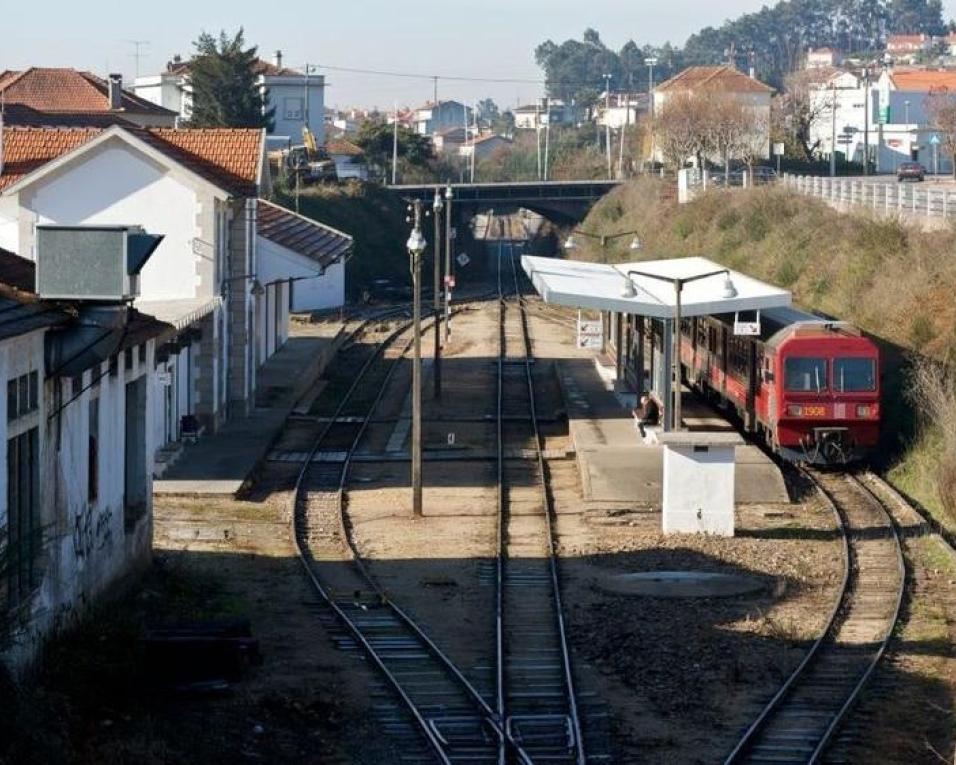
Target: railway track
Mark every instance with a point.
(535, 687)
(801, 720)
(440, 717)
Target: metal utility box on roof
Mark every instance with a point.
(96, 263)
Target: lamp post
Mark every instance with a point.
(833, 109)
(729, 291)
(449, 195)
(866, 120)
(607, 121)
(437, 207)
(416, 246)
(604, 239)
(650, 61)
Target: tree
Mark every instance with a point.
(916, 17)
(376, 137)
(487, 111)
(680, 129)
(941, 108)
(798, 109)
(726, 127)
(222, 75)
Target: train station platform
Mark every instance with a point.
(617, 468)
(219, 464)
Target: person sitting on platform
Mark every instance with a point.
(649, 413)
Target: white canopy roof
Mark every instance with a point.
(601, 286)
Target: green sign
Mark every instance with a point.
(884, 114)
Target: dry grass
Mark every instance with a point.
(892, 279)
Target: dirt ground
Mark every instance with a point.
(678, 678)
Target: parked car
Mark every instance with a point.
(910, 171)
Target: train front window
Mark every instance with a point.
(805, 374)
(854, 375)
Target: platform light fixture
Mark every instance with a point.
(571, 243)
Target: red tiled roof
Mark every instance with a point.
(343, 147)
(70, 91)
(27, 117)
(307, 237)
(26, 149)
(227, 157)
(711, 78)
(263, 67)
(924, 80)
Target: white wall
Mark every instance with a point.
(287, 95)
(308, 294)
(87, 545)
(118, 185)
(698, 490)
(9, 230)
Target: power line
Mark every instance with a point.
(449, 77)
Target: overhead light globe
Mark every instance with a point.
(629, 290)
(448, 192)
(729, 291)
(570, 244)
(437, 204)
(636, 244)
(416, 242)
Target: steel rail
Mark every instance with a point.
(580, 755)
(427, 730)
(777, 703)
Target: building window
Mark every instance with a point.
(23, 510)
(292, 108)
(22, 395)
(93, 453)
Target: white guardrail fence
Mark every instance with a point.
(908, 198)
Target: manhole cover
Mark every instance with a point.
(682, 584)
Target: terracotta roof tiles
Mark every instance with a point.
(228, 157)
(67, 90)
(924, 80)
(307, 237)
(713, 78)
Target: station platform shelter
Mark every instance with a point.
(641, 304)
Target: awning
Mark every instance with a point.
(604, 287)
(179, 313)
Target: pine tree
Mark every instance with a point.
(222, 74)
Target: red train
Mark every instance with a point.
(809, 386)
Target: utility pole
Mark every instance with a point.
(607, 122)
(437, 207)
(449, 194)
(395, 147)
(474, 139)
(866, 121)
(627, 122)
(416, 246)
(305, 111)
(547, 134)
(833, 109)
(537, 134)
(435, 93)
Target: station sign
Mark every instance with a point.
(462, 259)
(778, 149)
(590, 334)
(747, 328)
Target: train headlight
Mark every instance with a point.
(794, 410)
(864, 410)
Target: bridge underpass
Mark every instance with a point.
(562, 202)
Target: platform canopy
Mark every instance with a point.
(604, 287)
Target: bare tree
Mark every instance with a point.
(802, 106)
(727, 129)
(941, 108)
(755, 142)
(680, 128)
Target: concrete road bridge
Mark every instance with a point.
(559, 201)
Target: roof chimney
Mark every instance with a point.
(278, 59)
(115, 91)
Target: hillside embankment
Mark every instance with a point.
(891, 279)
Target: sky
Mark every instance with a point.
(492, 39)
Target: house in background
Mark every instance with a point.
(823, 58)
(484, 146)
(545, 111)
(720, 82)
(298, 98)
(349, 159)
(450, 140)
(433, 118)
(80, 378)
(66, 97)
(907, 49)
(619, 109)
